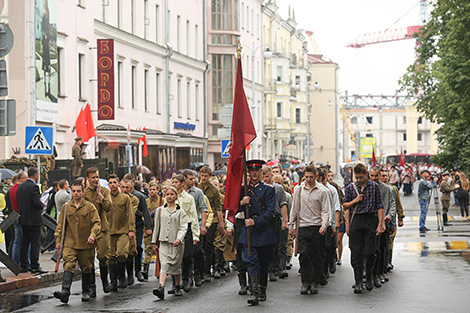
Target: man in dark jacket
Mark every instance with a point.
(30, 208)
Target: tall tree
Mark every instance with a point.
(441, 78)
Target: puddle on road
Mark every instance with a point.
(449, 248)
(10, 303)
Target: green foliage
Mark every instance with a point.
(440, 77)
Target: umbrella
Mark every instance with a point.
(294, 162)
(143, 169)
(196, 166)
(6, 173)
(320, 163)
(219, 172)
(104, 183)
(272, 162)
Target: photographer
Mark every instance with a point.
(424, 196)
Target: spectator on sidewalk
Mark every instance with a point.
(424, 196)
(62, 196)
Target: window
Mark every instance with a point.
(133, 18)
(81, 77)
(243, 15)
(157, 93)
(354, 120)
(178, 94)
(196, 99)
(146, 90)
(420, 136)
(404, 136)
(369, 135)
(369, 119)
(188, 99)
(196, 41)
(297, 80)
(420, 120)
(120, 90)
(81, 3)
(404, 120)
(133, 87)
(146, 19)
(225, 14)
(222, 82)
(297, 115)
(247, 19)
(279, 109)
(188, 42)
(157, 24)
(178, 33)
(279, 73)
(252, 23)
(119, 13)
(61, 71)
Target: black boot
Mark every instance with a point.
(358, 286)
(113, 275)
(86, 279)
(104, 278)
(121, 271)
(130, 271)
(254, 282)
(376, 280)
(219, 258)
(138, 268)
(178, 292)
(263, 285)
(173, 286)
(197, 279)
(444, 218)
(64, 295)
(145, 273)
(159, 292)
(186, 285)
(242, 281)
(92, 283)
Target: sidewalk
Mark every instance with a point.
(32, 281)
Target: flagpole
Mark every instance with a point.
(245, 179)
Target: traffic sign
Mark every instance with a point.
(225, 115)
(225, 148)
(223, 133)
(38, 140)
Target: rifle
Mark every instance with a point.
(157, 252)
(62, 238)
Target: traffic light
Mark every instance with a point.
(3, 79)
(7, 117)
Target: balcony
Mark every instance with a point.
(271, 87)
(292, 60)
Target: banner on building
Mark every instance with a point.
(367, 145)
(46, 61)
(105, 79)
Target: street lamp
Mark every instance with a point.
(267, 54)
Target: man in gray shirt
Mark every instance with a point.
(62, 196)
(198, 253)
(424, 195)
(390, 209)
(278, 266)
(310, 217)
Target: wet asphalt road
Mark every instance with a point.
(432, 274)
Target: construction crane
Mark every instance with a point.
(389, 35)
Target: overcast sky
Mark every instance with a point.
(374, 69)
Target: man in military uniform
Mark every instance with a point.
(101, 199)
(153, 202)
(261, 200)
(126, 188)
(445, 189)
(82, 226)
(77, 163)
(142, 216)
(122, 230)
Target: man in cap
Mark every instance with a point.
(445, 189)
(424, 196)
(261, 200)
(77, 163)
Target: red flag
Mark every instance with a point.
(80, 125)
(243, 133)
(374, 160)
(89, 123)
(402, 159)
(145, 150)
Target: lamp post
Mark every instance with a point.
(267, 55)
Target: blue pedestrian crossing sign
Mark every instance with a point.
(225, 148)
(38, 140)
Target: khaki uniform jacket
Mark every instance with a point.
(77, 156)
(134, 202)
(81, 223)
(153, 204)
(121, 217)
(400, 212)
(446, 189)
(213, 194)
(210, 212)
(102, 207)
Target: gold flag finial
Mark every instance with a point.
(239, 50)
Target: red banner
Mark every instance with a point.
(105, 79)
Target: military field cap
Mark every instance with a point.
(78, 138)
(258, 164)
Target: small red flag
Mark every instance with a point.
(89, 123)
(374, 160)
(243, 133)
(145, 150)
(80, 126)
